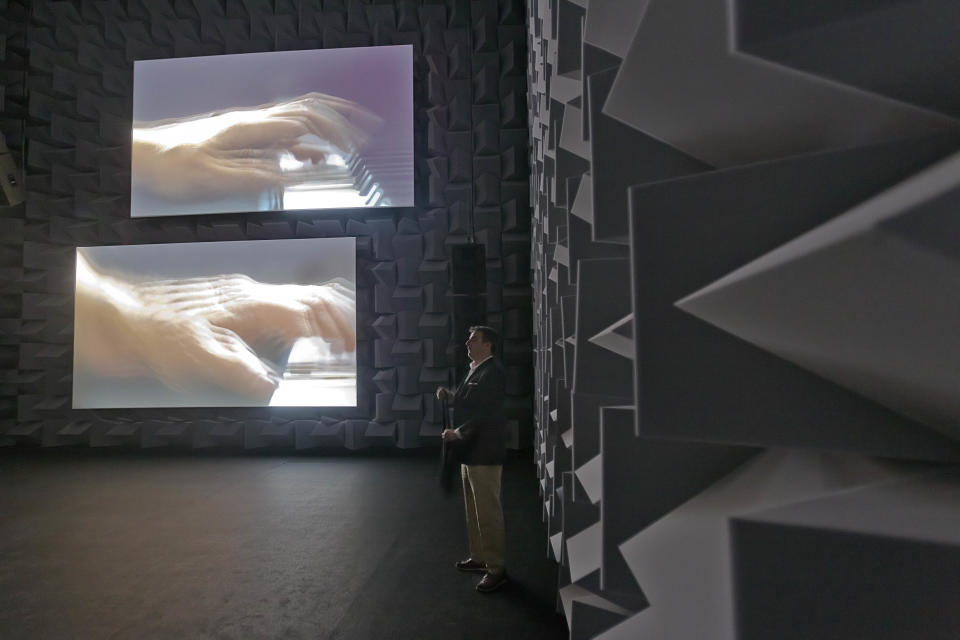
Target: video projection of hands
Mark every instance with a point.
(217, 331)
(244, 323)
(247, 150)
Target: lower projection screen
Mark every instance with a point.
(273, 131)
(216, 324)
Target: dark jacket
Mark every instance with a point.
(478, 415)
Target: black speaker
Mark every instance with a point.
(469, 269)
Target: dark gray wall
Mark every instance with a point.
(13, 104)
(471, 146)
(745, 272)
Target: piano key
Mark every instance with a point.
(357, 180)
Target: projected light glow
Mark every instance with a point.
(329, 128)
(266, 323)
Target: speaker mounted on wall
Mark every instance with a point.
(469, 269)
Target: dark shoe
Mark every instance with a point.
(471, 565)
(492, 582)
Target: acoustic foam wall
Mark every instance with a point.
(744, 341)
(13, 72)
(471, 148)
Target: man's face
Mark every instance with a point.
(477, 349)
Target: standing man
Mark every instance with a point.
(482, 446)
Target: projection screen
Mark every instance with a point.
(315, 129)
(216, 324)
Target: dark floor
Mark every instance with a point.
(96, 545)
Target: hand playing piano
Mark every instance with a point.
(242, 150)
(262, 313)
(203, 330)
(282, 127)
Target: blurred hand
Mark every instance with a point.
(203, 330)
(262, 313)
(183, 351)
(449, 435)
(341, 123)
(239, 150)
(443, 393)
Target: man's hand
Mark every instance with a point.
(449, 435)
(443, 393)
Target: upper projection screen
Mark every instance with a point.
(315, 129)
(216, 324)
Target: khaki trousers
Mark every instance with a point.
(481, 496)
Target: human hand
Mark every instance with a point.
(443, 393)
(282, 126)
(242, 150)
(449, 435)
(262, 313)
(119, 335)
(183, 352)
(203, 331)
